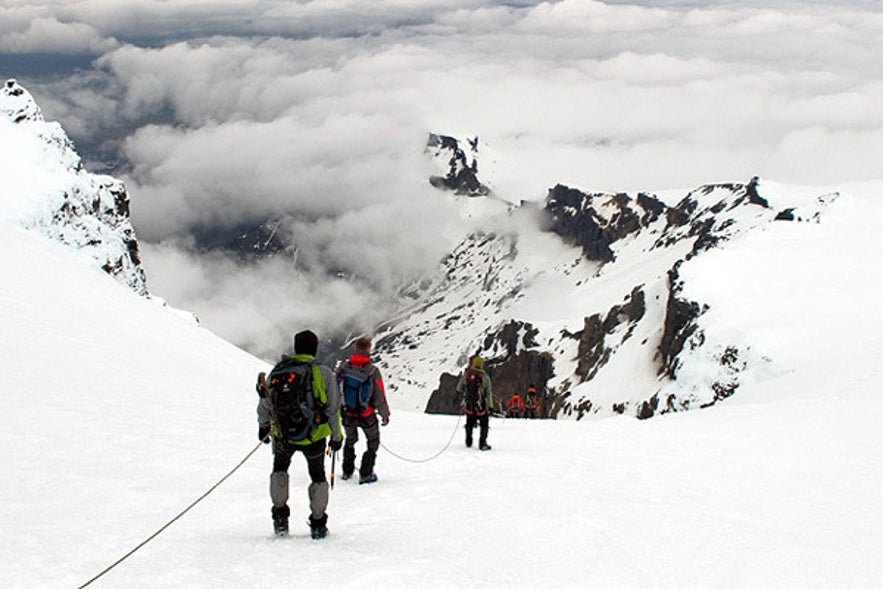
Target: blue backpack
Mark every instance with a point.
(356, 387)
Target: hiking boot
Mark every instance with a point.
(484, 447)
(280, 520)
(318, 528)
(371, 478)
(346, 476)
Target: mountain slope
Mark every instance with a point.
(593, 298)
(117, 413)
(46, 188)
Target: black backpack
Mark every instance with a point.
(294, 411)
(475, 398)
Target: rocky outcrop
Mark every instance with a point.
(594, 222)
(595, 346)
(460, 164)
(679, 325)
(709, 215)
(599, 339)
(88, 212)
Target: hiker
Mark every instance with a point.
(474, 390)
(531, 403)
(515, 406)
(364, 396)
(298, 409)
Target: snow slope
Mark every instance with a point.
(45, 187)
(116, 413)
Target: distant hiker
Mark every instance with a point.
(474, 389)
(515, 406)
(531, 403)
(298, 409)
(364, 396)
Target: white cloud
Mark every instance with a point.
(49, 35)
(319, 110)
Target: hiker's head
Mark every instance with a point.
(306, 342)
(478, 363)
(363, 345)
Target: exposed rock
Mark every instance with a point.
(679, 324)
(648, 408)
(594, 350)
(709, 223)
(88, 212)
(594, 222)
(462, 170)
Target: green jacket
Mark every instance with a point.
(326, 392)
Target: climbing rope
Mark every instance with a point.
(434, 456)
(173, 520)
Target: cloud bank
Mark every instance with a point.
(222, 113)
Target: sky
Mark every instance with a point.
(141, 411)
(226, 113)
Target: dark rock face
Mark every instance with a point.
(708, 225)
(679, 325)
(444, 398)
(578, 218)
(462, 175)
(596, 347)
(594, 351)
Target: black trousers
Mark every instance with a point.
(371, 427)
(314, 453)
(482, 421)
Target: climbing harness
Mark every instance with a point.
(434, 456)
(173, 520)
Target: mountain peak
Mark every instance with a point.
(458, 162)
(17, 103)
(48, 190)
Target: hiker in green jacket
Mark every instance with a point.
(476, 400)
(299, 408)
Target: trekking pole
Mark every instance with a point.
(333, 460)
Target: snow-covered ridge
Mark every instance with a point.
(46, 188)
(594, 308)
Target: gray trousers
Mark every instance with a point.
(318, 489)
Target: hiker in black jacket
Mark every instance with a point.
(299, 408)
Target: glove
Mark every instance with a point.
(335, 445)
(385, 421)
(264, 434)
